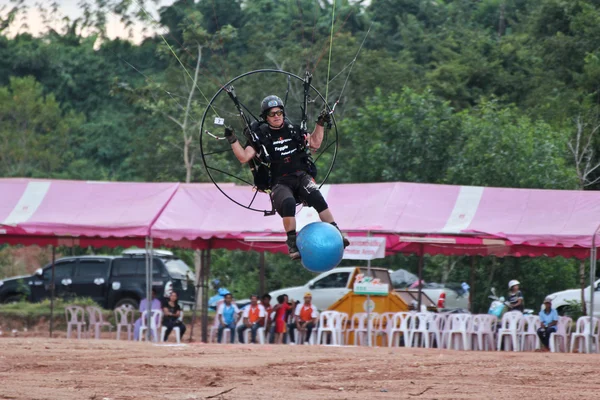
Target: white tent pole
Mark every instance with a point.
(149, 265)
(369, 339)
(593, 257)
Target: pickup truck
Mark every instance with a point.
(330, 286)
(560, 300)
(111, 281)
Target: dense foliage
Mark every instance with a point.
(486, 92)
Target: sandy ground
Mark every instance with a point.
(36, 368)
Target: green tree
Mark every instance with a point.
(402, 136)
(35, 131)
(502, 147)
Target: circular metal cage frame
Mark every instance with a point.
(223, 89)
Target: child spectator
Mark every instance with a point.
(281, 312)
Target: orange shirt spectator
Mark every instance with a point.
(254, 316)
(306, 317)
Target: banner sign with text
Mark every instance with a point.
(369, 285)
(365, 248)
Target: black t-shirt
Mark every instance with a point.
(172, 310)
(286, 155)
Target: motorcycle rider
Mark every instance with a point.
(515, 297)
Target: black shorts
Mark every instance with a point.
(298, 186)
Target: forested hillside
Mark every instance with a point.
(488, 92)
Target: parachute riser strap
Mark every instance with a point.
(232, 95)
(253, 137)
(305, 101)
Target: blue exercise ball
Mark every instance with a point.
(321, 246)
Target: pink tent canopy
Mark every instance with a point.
(471, 220)
(434, 219)
(80, 213)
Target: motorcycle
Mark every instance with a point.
(215, 300)
(499, 306)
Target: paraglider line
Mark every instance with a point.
(330, 50)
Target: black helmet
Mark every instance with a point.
(270, 102)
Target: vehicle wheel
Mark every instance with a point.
(128, 301)
(12, 299)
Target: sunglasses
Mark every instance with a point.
(274, 113)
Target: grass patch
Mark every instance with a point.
(24, 309)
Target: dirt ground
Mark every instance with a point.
(36, 368)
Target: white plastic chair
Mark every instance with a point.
(124, 319)
(529, 337)
(300, 335)
(176, 330)
(442, 327)
(96, 321)
(75, 316)
(420, 330)
(155, 319)
(212, 333)
(483, 329)
(382, 327)
(581, 336)
(400, 325)
(361, 329)
(458, 326)
(260, 335)
(433, 329)
(214, 330)
(511, 326)
(560, 339)
(354, 322)
(474, 324)
(331, 322)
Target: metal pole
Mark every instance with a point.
(205, 297)
(261, 274)
(198, 285)
(472, 284)
(420, 283)
(52, 292)
(592, 286)
(149, 267)
(369, 339)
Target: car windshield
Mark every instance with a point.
(179, 269)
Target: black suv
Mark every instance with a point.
(111, 281)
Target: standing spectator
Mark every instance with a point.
(227, 313)
(171, 314)
(549, 319)
(306, 317)
(281, 312)
(254, 316)
(515, 297)
(155, 305)
(291, 320)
